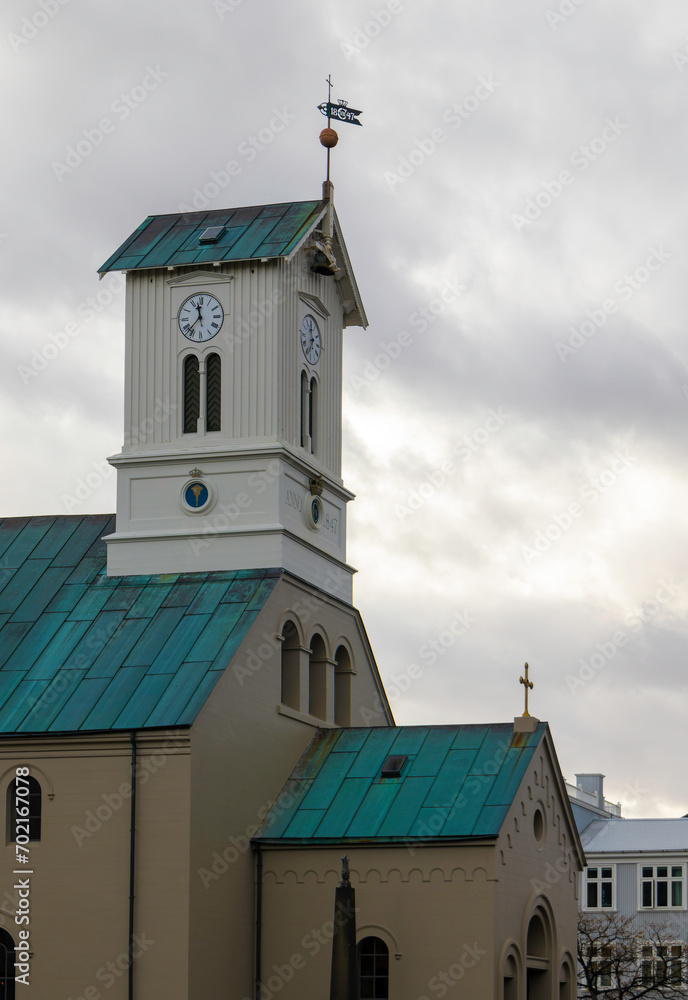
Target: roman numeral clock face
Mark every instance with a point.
(311, 344)
(200, 317)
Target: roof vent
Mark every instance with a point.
(393, 766)
(212, 234)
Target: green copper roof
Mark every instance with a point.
(173, 240)
(80, 650)
(456, 782)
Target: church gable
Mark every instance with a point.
(81, 651)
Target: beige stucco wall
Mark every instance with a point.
(244, 746)
(79, 889)
(433, 907)
(537, 867)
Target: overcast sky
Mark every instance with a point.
(515, 416)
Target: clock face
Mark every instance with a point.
(200, 317)
(311, 345)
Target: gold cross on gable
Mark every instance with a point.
(527, 684)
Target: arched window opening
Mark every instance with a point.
(565, 983)
(538, 960)
(342, 687)
(305, 412)
(6, 965)
(312, 414)
(510, 979)
(192, 394)
(373, 969)
(213, 393)
(537, 939)
(24, 809)
(317, 678)
(291, 666)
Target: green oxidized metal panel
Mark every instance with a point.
(81, 540)
(10, 637)
(149, 600)
(91, 604)
(179, 687)
(122, 598)
(449, 782)
(350, 739)
(490, 821)
(41, 594)
(56, 537)
(470, 737)
(302, 826)
(433, 752)
(116, 650)
(344, 805)
(218, 634)
(67, 597)
(407, 804)
(372, 811)
(21, 583)
(25, 542)
(491, 755)
(115, 697)
(177, 647)
(57, 655)
(207, 599)
(154, 638)
(10, 528)
(96, 638)
(328, 781)
(34, 642)
(189, 711)
(8, 682)
(80, 704)
(373, 753)
(24, 700)
(142, 702)
(509, 778)
(409, 740)
(54, 697)
(249, 242)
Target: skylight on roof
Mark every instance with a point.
(393, 766)
(212, 234)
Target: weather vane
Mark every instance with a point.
(324, 259)
(527, 684)
(343, 113)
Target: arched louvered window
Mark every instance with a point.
(213, 393)
(373, 969)
(6, 965)
(312, 412)
(305, 411)
(24, 809)
(192, 394)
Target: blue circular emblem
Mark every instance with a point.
(196, 495)
(315, 510)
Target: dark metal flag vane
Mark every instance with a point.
(341, 111)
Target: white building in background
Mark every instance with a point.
(635, 868)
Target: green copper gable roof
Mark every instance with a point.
(456, 782)
(80, 650)
(174, 240)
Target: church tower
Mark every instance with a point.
(233, 394)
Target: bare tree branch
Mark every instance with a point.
(619, 961)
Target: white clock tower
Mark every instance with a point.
(233, 394)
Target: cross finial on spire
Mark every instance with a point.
(527, 684)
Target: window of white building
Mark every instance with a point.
(598, 888)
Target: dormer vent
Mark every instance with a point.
(393, 766)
